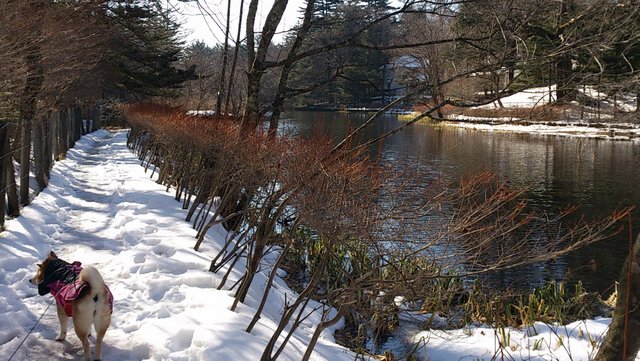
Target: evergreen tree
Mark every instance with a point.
(326, 8)
(349, 75)
(144, 49)
(382, 5)
(618, 63)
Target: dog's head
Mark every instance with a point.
(42, 267)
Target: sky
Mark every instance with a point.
(210, 27)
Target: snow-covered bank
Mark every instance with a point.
(573, 342)
(526, 98)
(609, 131)
(534, 97)
(570, 124)
(102, 209)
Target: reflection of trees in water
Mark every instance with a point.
(597, 175)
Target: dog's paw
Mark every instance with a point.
(61, 337)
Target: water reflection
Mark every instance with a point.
(598, 175)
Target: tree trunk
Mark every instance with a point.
(25, 159)
(256, 58)
(48, 145)
(565, 84)
(13, 207)
(28, 100)
(281, 93)
(565, 89)
(316, 334)
(225, 56)
(253, 77)
(76, 126)
(290, 310)
(201, 197)
(71, 117)
(4, 157)
(38, 155)
(251, 114)
(253, 264)
(265, 293)
(55, 135)
(27, 113)
(234, 62)
(97, 115)
(622, 341)
(63, 133)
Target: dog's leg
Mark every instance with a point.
(101, 322)
(82, 317)
(64, 321)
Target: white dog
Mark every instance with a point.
(80, 294)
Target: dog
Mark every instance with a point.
(81, 294)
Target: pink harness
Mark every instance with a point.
(66, 293)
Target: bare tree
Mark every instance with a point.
(257, 56)
(225, 56)
(234, 62)
(621, 341)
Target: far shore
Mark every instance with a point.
(599, 130)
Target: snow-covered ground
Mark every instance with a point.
(612, 131)
(572, 342)
(571, 126)
(544, 95)
(102, 209)
(526, 98)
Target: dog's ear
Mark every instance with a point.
(53, 255)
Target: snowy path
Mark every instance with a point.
(102, 209)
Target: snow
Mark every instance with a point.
(533, 97)
(102, 209)
(571, 126)
(617, 131)
(527, 98)
(540, 341)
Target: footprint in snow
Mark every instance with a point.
(181, 340)
(157, 290)
(144, 268)
(151, 241)
(162, 250)
(139, 258)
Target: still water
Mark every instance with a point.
(597, 175)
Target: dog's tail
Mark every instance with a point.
(97, 289)
(92, 277)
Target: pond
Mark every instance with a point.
(599, 175)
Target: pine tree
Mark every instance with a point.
(326, 8)
(144, 50)
(379, 4)
(349, 75)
